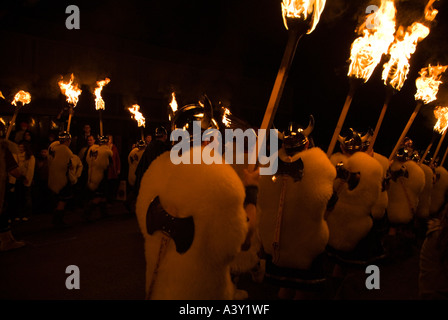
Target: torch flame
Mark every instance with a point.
(428, 83)
(302, 9)
(225, 118)
(1, 95)
(441, 113)
(136, 114)
(367, 50)
(70, 90)
(396, 69)
(173, 103)
(23, 97)
(99, 102)
(430, 12)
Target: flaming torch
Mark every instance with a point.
(72, 92)
(366, 52)
(99, 102)
(441, 127)
(395, 71)
(299, 17)
(173, 105)
(137, 115)
(226, 117)
(427, 87)
(24, 98)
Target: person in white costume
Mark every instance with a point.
(358, 187)
(292, 206)
(98, 160)
(64, 169)
(193, 220)
(134, 158)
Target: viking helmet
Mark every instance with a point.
(354, 141)
(403, 154)
(64, 136)
(202, 111)
(160, 132)
(141, 144)
(295, 138)
(408, 143)
(103, 140)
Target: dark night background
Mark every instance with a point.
(230, 50)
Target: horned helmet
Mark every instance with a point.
(64, 136)
(354, 141)
(296, 138)
(103, 140)
(202, 111)
(141, 144)
(160, 132)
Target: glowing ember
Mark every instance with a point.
(70, 90)
(21, 96)
(396, 69)
(302, 9)
(99, 102)
(1, 95)
(428, 83)
(367, 50)
(441, 114)
(225, 118)
(136, 114)
(430, 12)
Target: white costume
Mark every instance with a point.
(133, 159)
(439, 190)
(98, 159)
(298, 231)
(212, 196)
(424, 202)
(350, 221)
(379, 209)
(404, 191)
(59, 156)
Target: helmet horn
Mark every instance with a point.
(310, 127)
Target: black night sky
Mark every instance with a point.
(230, 50)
